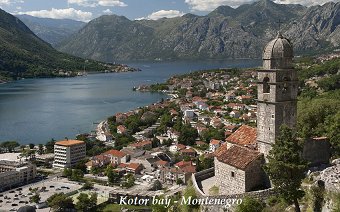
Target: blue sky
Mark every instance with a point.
(86, 10)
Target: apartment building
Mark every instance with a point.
(14, 173)
(68, 153)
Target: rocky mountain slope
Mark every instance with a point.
(23, 54)
(224, 33)
(51, 30)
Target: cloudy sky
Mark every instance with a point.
(86, 10)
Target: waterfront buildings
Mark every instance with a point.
(68, 153)
(14, 173)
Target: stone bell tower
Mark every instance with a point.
(277, 92)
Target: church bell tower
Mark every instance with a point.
(277, 92)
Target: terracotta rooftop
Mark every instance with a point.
(115, 153)
(69, 142)
(162, 162)
(189, 169)
(190, 150)
(245, 135)
(133, 166)
(180, 146)
(215, 142)
(183, 163)
(237, 156)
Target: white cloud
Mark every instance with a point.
(111, 3)
(69, 13)
(107, 11)
(304, 2)
(9, 2)
(95, 3)
(209, 5)
(4, 2)
(163, 14)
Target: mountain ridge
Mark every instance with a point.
(23, 54)
(224, 33)
(51, 30)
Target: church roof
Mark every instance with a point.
(245, 135)
(280, 47)
(237, 156)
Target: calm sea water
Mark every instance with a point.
(36, 110)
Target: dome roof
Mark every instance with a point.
(280, 47)
(278, 53)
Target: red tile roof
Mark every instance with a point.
(162, 162)
(180, 146)
(215, 142)
(133, 166)
(237, 156)
(122, 165)
(183, 163)
(190, 150)
(115, 153)
(245, 135)
(189, 169)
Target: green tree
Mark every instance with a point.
(332, 124)
(250, 205)
(59, 202)
(129, 181)
(41, 149)
(188, 135)
(87, 185)
(286, 167)
(35, 198)
(50, 146)
(86, 203)
(9, 145)
(67, 172)
(113, 177)
(157, 185)
(77, 175)
(31, 145)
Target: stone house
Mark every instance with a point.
(133, 168)
(117, 157)
(171, 175)
(238, 170)
(141, 145)
(189, 152)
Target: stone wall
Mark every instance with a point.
(230, 180)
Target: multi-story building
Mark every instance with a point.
(68, 153)
(13, 173)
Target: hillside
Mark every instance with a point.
(51, 30)
(23, 54)
(224, 33)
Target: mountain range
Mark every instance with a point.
(224, 33)
(23, 54)
(51, 30)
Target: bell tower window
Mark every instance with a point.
(266, 86)
(285, 83)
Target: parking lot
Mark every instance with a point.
(13, 199)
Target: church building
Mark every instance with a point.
(238, 167)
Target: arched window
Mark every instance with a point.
(285, 83)
(266, 86)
